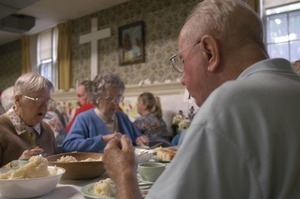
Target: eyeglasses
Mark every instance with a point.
(117, 99)
(39, 100)
(177, 62)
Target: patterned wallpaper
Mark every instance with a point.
(163, 20)
(10, 62)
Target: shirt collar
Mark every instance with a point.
(19, 124)
(275, 65)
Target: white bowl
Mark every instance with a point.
(143, 155)
(28, 188)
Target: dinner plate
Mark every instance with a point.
(87, 191)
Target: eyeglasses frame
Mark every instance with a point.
(173, 58)
(38, 100)
(117, 99)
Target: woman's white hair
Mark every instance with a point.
(103, 82)
(7, 98)
(31, 82)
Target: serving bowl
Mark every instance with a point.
(81, 169)
(29, 188)
(143, 154)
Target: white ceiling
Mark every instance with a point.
(49, 13)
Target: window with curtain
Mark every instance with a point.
(283, 32)
(47, 55)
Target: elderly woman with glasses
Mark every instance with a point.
(93, 128)
(22, 131)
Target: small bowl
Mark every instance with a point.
(79, 170)
(143, 155)
(150, 171)
(29, 188)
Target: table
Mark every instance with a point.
(70, 189)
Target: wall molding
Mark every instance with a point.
(172, 88)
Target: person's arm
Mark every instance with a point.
(119, 160)
(69, 125)
(127, 127)
(84, 135)
(127, 187)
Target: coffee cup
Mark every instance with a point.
(150, 171)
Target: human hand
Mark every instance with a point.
(119, 159)
(142, 140)
(114, 135)
(120, 165)
(31, 152)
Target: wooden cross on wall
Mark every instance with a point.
(93, 37)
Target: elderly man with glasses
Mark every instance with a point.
(23, 133)
(244, 142)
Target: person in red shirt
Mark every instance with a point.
(84, 100)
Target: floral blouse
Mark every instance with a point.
(151, 126)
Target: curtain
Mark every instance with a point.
(64, 56)
(255, 4)
(26, 64)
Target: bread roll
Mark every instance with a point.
(166, 154)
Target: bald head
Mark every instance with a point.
(228, 38)
(232, 22)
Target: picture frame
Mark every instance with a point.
(131, 43)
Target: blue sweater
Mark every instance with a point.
(87, 131)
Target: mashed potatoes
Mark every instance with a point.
(104, 188)
(69, 158)
(36, 167)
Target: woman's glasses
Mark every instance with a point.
(39, 100)
(118, 99)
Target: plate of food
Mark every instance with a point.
(103, 189)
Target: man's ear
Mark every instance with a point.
(211, 52)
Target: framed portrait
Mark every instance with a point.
(131, 43)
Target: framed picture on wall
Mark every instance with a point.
(132, 43)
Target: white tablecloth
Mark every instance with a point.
(68, 189)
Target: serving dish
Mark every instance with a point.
(29, 188)
(81, 169)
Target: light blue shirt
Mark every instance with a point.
(244, 142)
